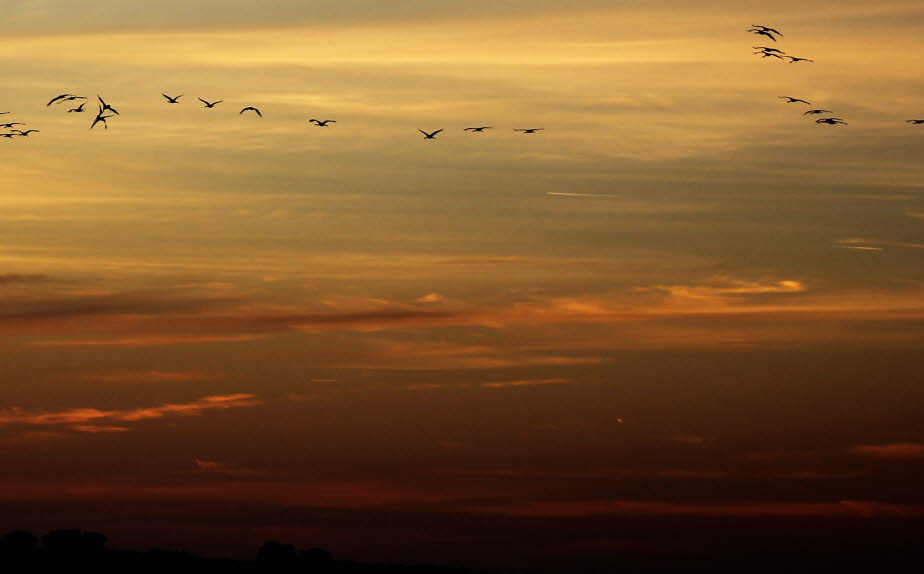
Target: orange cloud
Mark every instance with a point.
(898, 450)
(861, 243)
(153, 377)
(146, 341)
(524, 383)
(720, 311)
(586, 508)
(689, 439)
(211, 466)
(94, 420)
(16, 278)
(94, 429)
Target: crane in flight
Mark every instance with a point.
(101, 118)
(430, 136)
(106, 106)
(59, 99)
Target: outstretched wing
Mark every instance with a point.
(55, 99)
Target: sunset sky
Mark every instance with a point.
(682, 303)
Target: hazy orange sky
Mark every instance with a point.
(683, 300)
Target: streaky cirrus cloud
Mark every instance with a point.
(524, 383)
(93, 420)
(896, 450)
(17, 278)
(586, 508)
(153, 376)
(718, 310)
(875, 244)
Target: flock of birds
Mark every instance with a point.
(767, 52)
(105, 111)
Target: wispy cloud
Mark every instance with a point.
(153, 376)
(587, 508)
(14, 278)
(95, 420)
(716, 311)
(146, 341)
(725, 286)
(564, 194)
(874, 244)
(96, 429)
(524, 383)
(688, 439)
(898, 450)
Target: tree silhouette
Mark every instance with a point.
(276, 557)
(73, 551)
(18, 551)
(315, 561)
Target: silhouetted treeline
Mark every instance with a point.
(81, 552)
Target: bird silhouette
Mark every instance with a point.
(100, 118)
(8, 136)
(58, 99)
(763, 33)
(78, 108)
(209, 104)
(529, 130)
(481, 129)
(793, 100)
(793, 60)
(106, 106)
(252, 109)
(817, 112)
(771, 55)
(766, 29)
(831, 121)
(322, 124)
(10, 125)
(766, 49)
(915, 122)
(429, 136)
(172, 100)
(25, 133)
